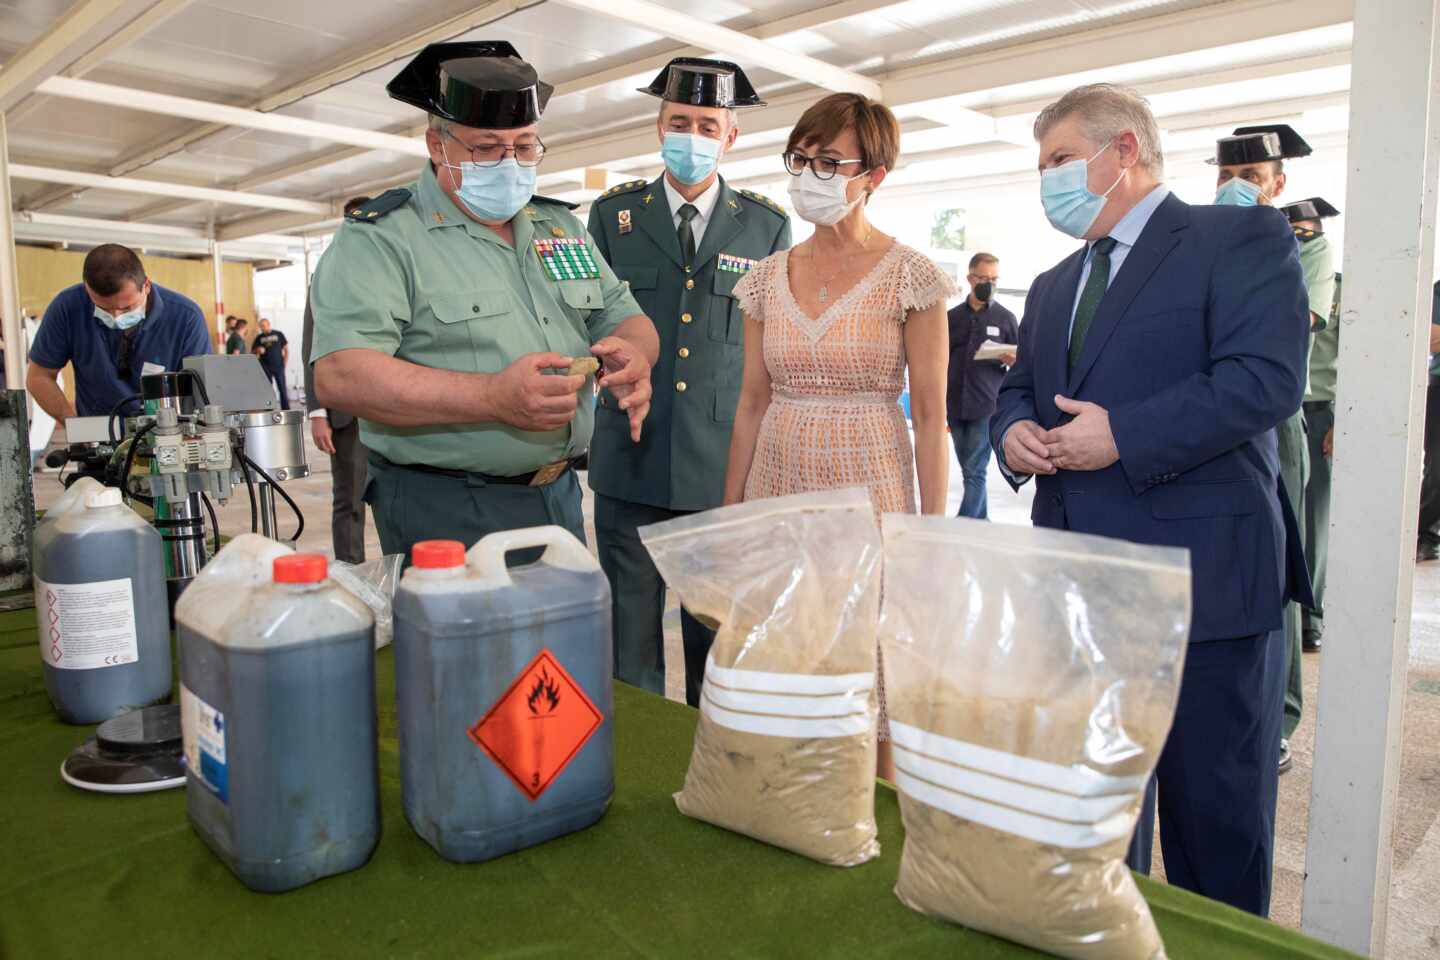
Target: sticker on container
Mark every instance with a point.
(86, 626)
(202, 729)
(538, 725)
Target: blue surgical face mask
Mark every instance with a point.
(1238, 193)
(494, 194)
(1065, 193)
(123, 321)
(690, 157)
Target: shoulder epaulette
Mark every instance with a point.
(557, 202)
(630, 187)
(763, 200)
(377, 207)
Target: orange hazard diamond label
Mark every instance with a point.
(538, 725)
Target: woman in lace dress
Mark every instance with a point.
(831, 327)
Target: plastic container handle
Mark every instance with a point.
(487, 557)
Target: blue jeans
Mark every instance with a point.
(972, 449)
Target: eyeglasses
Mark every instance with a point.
(824, 167)
(492, 154)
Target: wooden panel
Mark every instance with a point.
(44, 272)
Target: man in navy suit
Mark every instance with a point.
(1154, 364)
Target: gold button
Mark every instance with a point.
(689, 284)
(680, 387)
(686, 318)
(684, 352)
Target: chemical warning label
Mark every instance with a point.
(202, 730)
(538, 725)
(84, 626)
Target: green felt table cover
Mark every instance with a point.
(86, 875)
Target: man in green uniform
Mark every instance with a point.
(681, 242)
(1252, 171)
(448, 315)
(1317, 258)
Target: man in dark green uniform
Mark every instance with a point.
(448, 315)
(1317, 259)
(681, 242)
(1252, 171)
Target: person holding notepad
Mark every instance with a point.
(975, 375)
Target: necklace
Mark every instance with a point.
(825, 284)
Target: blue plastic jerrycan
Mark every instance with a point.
(503, 689)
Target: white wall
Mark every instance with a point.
(280, 298)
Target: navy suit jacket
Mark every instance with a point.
(1198, 351)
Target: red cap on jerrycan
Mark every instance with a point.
(438, 554)
(301, 568)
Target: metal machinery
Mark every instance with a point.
(203, 431)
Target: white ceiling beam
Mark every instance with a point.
(1098, 49)
(975, 125)
(138, 229)
(250, 227)
(121, 39)
(1203, 77)
(129, 98)
(730, 43)
(1248, 113)
(1168, 34)
(1113, 45)
(160, 188)
(281, 171)
(347, 66)
(815, 18)
(74, 34)
(288, 248)
(101, 223)
(1188, 31)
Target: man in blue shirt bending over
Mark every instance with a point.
(114, 327)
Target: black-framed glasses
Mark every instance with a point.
(492, 154)
(824, 167)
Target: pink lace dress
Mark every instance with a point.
(834, 419)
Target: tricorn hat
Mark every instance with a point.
(1312, 209)
(704, 83)
(1274, 141)
(478, 84)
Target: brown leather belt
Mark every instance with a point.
(543, 477)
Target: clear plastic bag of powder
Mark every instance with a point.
(1031, 678)
(785, 744)
(373, 583)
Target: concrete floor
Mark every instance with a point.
(1414, 928)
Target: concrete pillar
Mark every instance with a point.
(1380, 413)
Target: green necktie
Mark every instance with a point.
(1095, 286)
(688, 212)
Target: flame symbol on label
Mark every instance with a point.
(544, 687)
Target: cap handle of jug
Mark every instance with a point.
(487, 558)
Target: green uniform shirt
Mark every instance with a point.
(1318, 265)
(415, 278)
(679, 463)
(1317, 260)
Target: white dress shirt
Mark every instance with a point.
(1125, 234)
(705, 203)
